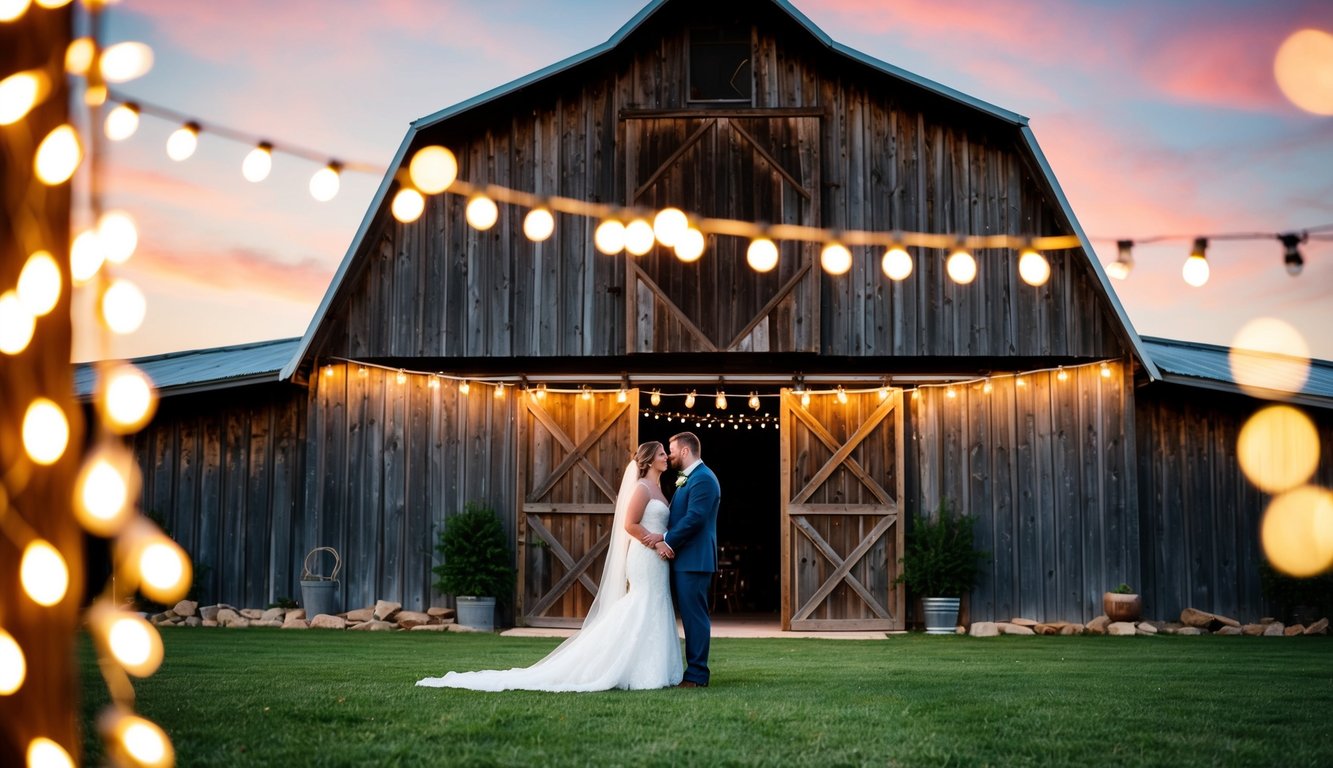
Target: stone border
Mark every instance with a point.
(384, 616)
(1192, 622)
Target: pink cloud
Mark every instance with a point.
(239, 269)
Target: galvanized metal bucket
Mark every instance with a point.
(941, 614)
(319, 594)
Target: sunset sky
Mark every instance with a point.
(1158, 118)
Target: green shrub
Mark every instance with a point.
(939, 559)
(475, 553)
(1123, 589)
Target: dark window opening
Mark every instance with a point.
(720, 64)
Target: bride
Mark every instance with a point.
(628, 639)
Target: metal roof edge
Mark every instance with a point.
(1217, 385)
(1140, 349)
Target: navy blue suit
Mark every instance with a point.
(692, 534)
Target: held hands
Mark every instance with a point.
(664, 550)
(650, 539)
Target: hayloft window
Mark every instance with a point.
(720, 64)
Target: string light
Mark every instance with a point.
(85, 257)
(587, 392)
(45, 431)
(130, 400)
(122, 122)
(762, 254)
(45, 753)
(754, 401)
(326, 182)
(1124, 262)
(842, 395)
(689, 399)
(897, 263)
(669, 225)
(609, 237)
(1033, 267)
(408, 205)
(123, 306)
(13, 666)
(622, 395)
(126, 61)
(464, 387)
(1291, 252)
(182, 143)
(434, 381)
(656, 398)
(118, 236)
(690, 247)
(1195, 271)
(1061, 375)
(835, 258)
(43, 573)
(805, 399)
(499, 391)
(401, 378)
(20, 92)
(539, 224)
(1105, 371)
(105, 489)
(721, 400)
(58, 156)
(17, 324)
(433, 169)
(639, 237)
(482, 212)
(962, 268)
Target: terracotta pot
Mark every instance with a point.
(1120, 607)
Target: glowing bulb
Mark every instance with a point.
(690, 245)
(540, 393)
(1106, 371)
(12, 9)
(59, 3)
(539, 224)
(1297, 531)
(401, 378)
(164, 569)
(1118, 270)
(123, 307)
(326, 182)
(656, 398)
(43, 573)
(58, 156)
(433, 169)
(1019, 381)
(118, 236)
(689, 399)
(183, 142)
(754, 401)
(835, 258)
(1268, 354)
(19, 93)
(464, 387)
(499, 391)
(78, 56)
(1278, 448)
(1062, 374)
(962, 268)
(587, 392)
(609, 237)
(762, 255)
(13, 666)
(17, 324)
(258, 163)
(1302, 69)
(45, 431)
(622, 395)
(130, 399)
(434, 381)
(897, 263)
(104, 491)
(721, 401)
(842, 395)
(668, 225)
(987, 387)
(133, 642)
(121, 122)
(1033, 267)
(1124, 262)
(85, 256)
(1195, 271)
(639, 237)
(805, 399)
(123, 62)
(363, 372)
(482, 212)
(408, 205)
(45, 753)
(143, 741)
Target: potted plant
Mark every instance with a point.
(477, 565)
(1122, 604)
(940, 565)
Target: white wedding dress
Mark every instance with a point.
(628, 641)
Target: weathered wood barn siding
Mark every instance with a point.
(388, 463)
(1200, 517)
(1047, 469)
(225, 472)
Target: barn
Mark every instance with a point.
(447, 364)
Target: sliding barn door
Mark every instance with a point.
(842, 527)
(572, 454)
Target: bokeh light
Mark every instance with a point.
(762, 255)
(39, 284)
(482, 212)
(86, 256)
(79, 56)
(45, 431)
(58, 156)
(13, 666)
(962, 268)
(1196, 270)
(133, 642)
(43, 573)
(1278, 448)
(325, 183)
(123, 306)
(690, 245)
(639, 237)
(164, 570)
(121, 122)
(1303, 68)
(182, 143)
(20, 92)
(12, 9)
(538, 224)
(130, 400)
(139, 740)
(258, 163)
(118, 236)
(1033, 268)
(16, 324)
(408, 205)
(897, 263)
(45, 753)
(123, 62)
(104, 491)
(835, 258)
(1269, 355)
(668, 225)
(433, 169)
(1298, 531)
(609, 237)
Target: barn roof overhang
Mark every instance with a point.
(1208, 366)
(621, 35)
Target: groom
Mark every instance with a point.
(690, 542)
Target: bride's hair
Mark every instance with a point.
(645, 454)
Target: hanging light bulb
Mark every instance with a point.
(950, 393)
(401, 378)
(17, 324)
(835, 258)
(408, 205)
(689, 399)
(132, 641)
(754, 401)
(121, 122)
(690, 245)
(118, 236)
(123, 307)
(1061, 374)
(622, 395)
(884, 391)
(639, 237)
(85, 256)
(45, 431)
(962, 268)
(987, 387)
(609, 237)
(1124, 262)
(43, 573)
(762, 255)
(433, 169)
(58, 156)
(805, 399)
(183, 142)
(39, 284)
(539, 224)
(587, 392)
(79, 56)
(46, 753)
(129, 400)
(842, 395)
(897, 263)
(434, 381)
(150, 559)
(668, 225)
(20, 92)
(464, 387)
(1196, 269)
(482, 212)
(656, 398)
(1106, 371)
(13, 665)
(499, 391)
(1033, 267)
(721, 400)
(326, 182)
(123, 62)
(1291, 252)
(363, 372)
(135, 740)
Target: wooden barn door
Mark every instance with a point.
(743, 167)
(572, 455)
(842, 531)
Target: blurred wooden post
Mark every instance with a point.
(35, 500)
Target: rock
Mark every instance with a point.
(209, 613)
(1253, 630)
(1274, 629)
(253, 614)
(270, 623)
(375, 626)
(193, 621)
(385, 610)
(1145, 628)
(1318, 628)
(1226, 621)
(325, 621)
(1023, 622)
(1191, 631)
(1048, 629)
(1098, 625)
(210, 623)
(1193, 617)
(984, 629)
(295, 613)
(430, 628)
(225, 616)
(291, 623)
(273, 614)
(1267, 620)
(1229, 631)
(1071, 629)
(185, 608)
(441, 613)
(239, 623)
(360, 614)
(409, 619)
(1009, 628)
(1293, 630)
(1121, 628)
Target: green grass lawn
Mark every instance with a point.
(274, 697)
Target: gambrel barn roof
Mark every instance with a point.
(983, 110)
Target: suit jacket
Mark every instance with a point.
(692, 525)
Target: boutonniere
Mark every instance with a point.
(680, 479)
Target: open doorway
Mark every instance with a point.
(741, 445)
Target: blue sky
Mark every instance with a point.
(1157, 118)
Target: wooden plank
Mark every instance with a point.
(845, 510)
(786, 481)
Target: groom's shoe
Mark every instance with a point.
(691, 684)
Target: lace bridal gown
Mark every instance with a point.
(629, 639)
